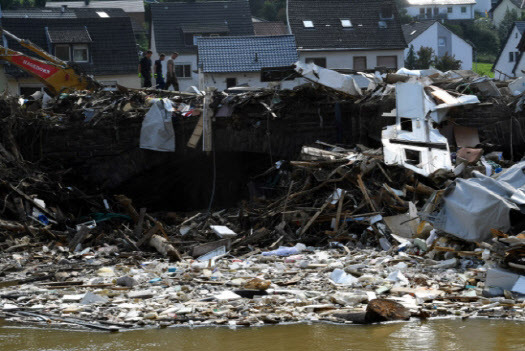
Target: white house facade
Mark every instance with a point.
(441, 9)
(500, 9)
(509, 54)
(436, 36)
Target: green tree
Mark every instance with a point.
(425, 57)
(447, 63)
(506, 24)
(411, 60)
(269, 11)
(40, 3)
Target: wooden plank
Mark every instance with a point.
(365, 192)
(197, 133)
(153, 230)
(339, 209)
(312, 220)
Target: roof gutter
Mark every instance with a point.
(352, 49)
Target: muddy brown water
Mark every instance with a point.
(449, 335)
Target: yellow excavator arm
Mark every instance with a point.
(57, 75)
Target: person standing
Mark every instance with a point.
(159, 77)
(145, 69)
(172, 77)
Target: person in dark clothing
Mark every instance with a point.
(159, 77)
(172, 77)
(145, 69)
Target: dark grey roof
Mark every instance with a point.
(68, 36)
(169, 18)
(246, 54)
(414, 29)
(520, 25)
(366, 32)
(113, 48)
(205, 28)
(270, 28)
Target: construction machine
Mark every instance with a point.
(57, 75)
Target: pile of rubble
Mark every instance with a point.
(427, 226)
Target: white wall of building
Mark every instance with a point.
(454, 45)
(345, 58)
(506, 61)
(252, 79)
(499, 12)
(456, 13)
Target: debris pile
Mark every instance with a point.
(345, 234)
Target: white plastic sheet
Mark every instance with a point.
(157, 129)
(329, 78)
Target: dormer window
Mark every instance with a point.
(386, 12)
(308, 24)
(346, 23)
(80, 53)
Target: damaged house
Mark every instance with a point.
(509, 56)
(176, 26)
(226, 62)
(79, 36)
(347, 34)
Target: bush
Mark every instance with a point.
(425, 57)
(447, 63)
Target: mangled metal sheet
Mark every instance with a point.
(329, 78)
(472, 207)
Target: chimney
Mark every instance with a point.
(86, 2)
(63, 8)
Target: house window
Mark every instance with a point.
(231, 82)
(412, 157)
(449, 9)
(386, 12)
(516, 35)
(429, 11)
(442, 41)
(359, 63)
(387, 61)
(511, 57)
(102, 14)
(319, 61)
(308, 24)
(183, 70)
(422, 11)
(346, 23)
(463, 9)
(436, 11)
(80, 53)
(62, 52)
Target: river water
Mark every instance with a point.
(449, 335)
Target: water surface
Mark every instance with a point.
(449, 335)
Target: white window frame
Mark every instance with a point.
(77, 47)
(442, 41)
(68, 49)
(346, 23)
(308, 24)
(183, 70)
